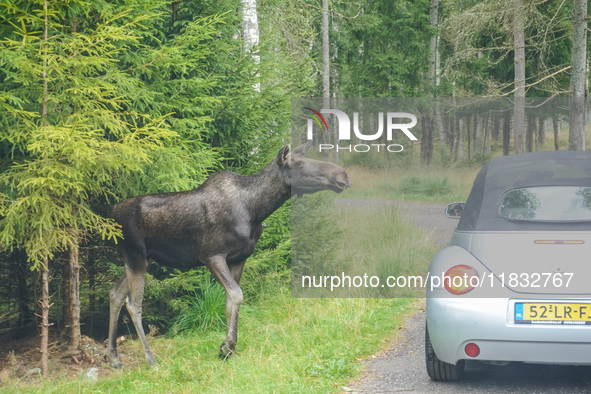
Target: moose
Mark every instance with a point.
(216, 225)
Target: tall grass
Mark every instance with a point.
(204, 310)
(379, 241)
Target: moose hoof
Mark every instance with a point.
(151, 360)
(116, 364)
(152, 363)
(226, 351)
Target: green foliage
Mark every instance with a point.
(269, 265)
(477, 47)
(480, 158)
(71, 137)
(383, 48)
(315, 234)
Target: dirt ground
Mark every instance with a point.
(20, 360)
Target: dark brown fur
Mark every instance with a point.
(216, 225)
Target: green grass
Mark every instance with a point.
(205, 310)
(420, 183)
(427, 186)
(285, 344)
(377, 241)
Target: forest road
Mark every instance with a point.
(401, 367)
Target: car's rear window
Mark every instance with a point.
(547, 203)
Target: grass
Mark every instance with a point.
(286, 345)
(429, 186)
(420, 183)
(385, 245)
(377, 241)
(205, 310)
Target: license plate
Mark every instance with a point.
(554, 313)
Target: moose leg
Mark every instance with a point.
(136, 278)
(220, 270)
(117, 295)
(232, 321)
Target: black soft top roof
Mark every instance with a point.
(551, 168)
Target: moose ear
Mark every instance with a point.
(302, 149)
(283, 156)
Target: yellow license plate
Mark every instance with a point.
(559, 313)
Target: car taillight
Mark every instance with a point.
(460, 279)
(472, 350)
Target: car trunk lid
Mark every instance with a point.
(550, 263)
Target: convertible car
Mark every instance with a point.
(514, 285)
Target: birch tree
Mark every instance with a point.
(434, 66)
(578, 82)
(519, 78)
(250, 33)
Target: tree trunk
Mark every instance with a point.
(529, 137)
(478, 134)
(487, 132)
(66, 299)
(496, 131)
(469, 138)
(250, 32)
(576, 138)
(541, 133)
(427, 139)
(434, 67)
(44, 316)
(175, 11)
(74, 299)
(325, 51)
(457, 138)
(91, 271)
(45, 266)
(506, 133)
(519, 60)
(24, 313)
(325, 71)
(556, 129)
(460, 139)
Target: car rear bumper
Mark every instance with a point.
(488, 322)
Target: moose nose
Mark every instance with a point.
(342, 181)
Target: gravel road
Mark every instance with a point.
(401, 368)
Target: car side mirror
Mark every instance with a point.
(455, 210)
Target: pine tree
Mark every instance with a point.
(75, 130)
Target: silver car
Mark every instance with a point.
(515, 282)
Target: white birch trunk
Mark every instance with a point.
(250, 33)
(577, 121)
(519, 60)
